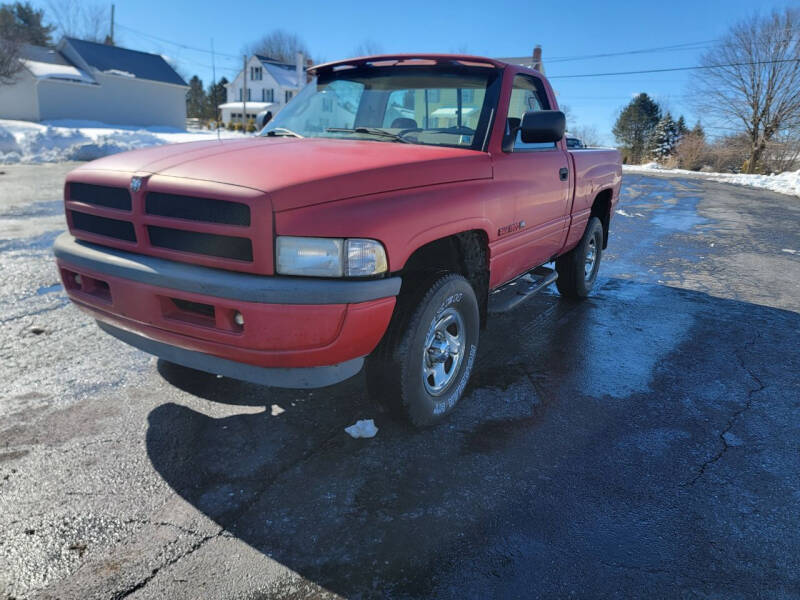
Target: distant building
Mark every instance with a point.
(94, 82)
(270, 85)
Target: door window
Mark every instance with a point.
(526, 95)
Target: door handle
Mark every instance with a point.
(563, 173)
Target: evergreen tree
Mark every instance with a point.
(634, 125)
(682, 128)
(699, 131)
(195, 98)
(663, 138)
(216, 95)
(22, 23)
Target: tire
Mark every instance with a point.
(575, 275)
(422, 366)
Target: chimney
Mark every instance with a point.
(301, 80)
(537, 59)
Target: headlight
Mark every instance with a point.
(364, 257)
(329, 257)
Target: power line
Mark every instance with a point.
(184, 46)
(668, 69)
(686, 46)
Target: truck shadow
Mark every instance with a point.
(572, 407)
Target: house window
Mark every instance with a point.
(468, 96)
(248, 95)
(240, 94)
(263, 94)
(433, 95)
(288, 95)
(256, 73)
(270, 97)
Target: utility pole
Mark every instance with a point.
(214, 88)
(109, 41)
(244, 94)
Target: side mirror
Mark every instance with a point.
(540, 126)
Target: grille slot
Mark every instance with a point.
(100, 195)
(197, 209)
(210, 244)
(113, 228)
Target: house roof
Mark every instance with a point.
(46, 63)
(122, 61)
(284, 74)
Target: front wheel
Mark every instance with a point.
(577, 269)
(424, 362)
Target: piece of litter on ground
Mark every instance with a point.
(276, 410)
(362, 429)
(219, 376)
(789, 251)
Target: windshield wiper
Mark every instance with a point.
(397, 137)
(279, 131)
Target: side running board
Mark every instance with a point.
(514, 293)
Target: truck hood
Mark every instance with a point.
(302, 172)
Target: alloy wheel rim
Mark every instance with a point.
(443, 351)
(591, 259)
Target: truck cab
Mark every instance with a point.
(379, 219)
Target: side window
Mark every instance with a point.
(526, 95)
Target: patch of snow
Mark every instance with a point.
(619, 211)
(275, 410)
(120, 73)
(790, 251)
(783, 183)
(362, 429)
(65, 140)
(43, 70)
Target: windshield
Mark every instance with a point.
(439, 105)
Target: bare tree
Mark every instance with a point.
(77, 19)
(587, 134)
(280, 45)
(368, 47)
(10, 64)
(753, 78)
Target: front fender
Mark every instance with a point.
(404, 220)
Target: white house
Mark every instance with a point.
(270, 85)
(95, 82)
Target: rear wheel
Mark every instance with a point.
(424, 362)
(577, 269)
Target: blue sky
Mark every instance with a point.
(333, 30)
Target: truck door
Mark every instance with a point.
(537, 177)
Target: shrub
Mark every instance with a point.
(691, 153)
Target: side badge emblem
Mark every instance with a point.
(136, 184)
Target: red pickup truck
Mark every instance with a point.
(379, 218)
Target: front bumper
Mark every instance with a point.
(298, 332)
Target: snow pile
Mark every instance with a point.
(362, 429)
(26, 142)
(783, 183)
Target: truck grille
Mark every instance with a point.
(226, 246)
(197, 209)
(165, 220)
(113, 228)
(100, 195)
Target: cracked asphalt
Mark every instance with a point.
(644, 442)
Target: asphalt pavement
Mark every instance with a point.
(644, 442)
